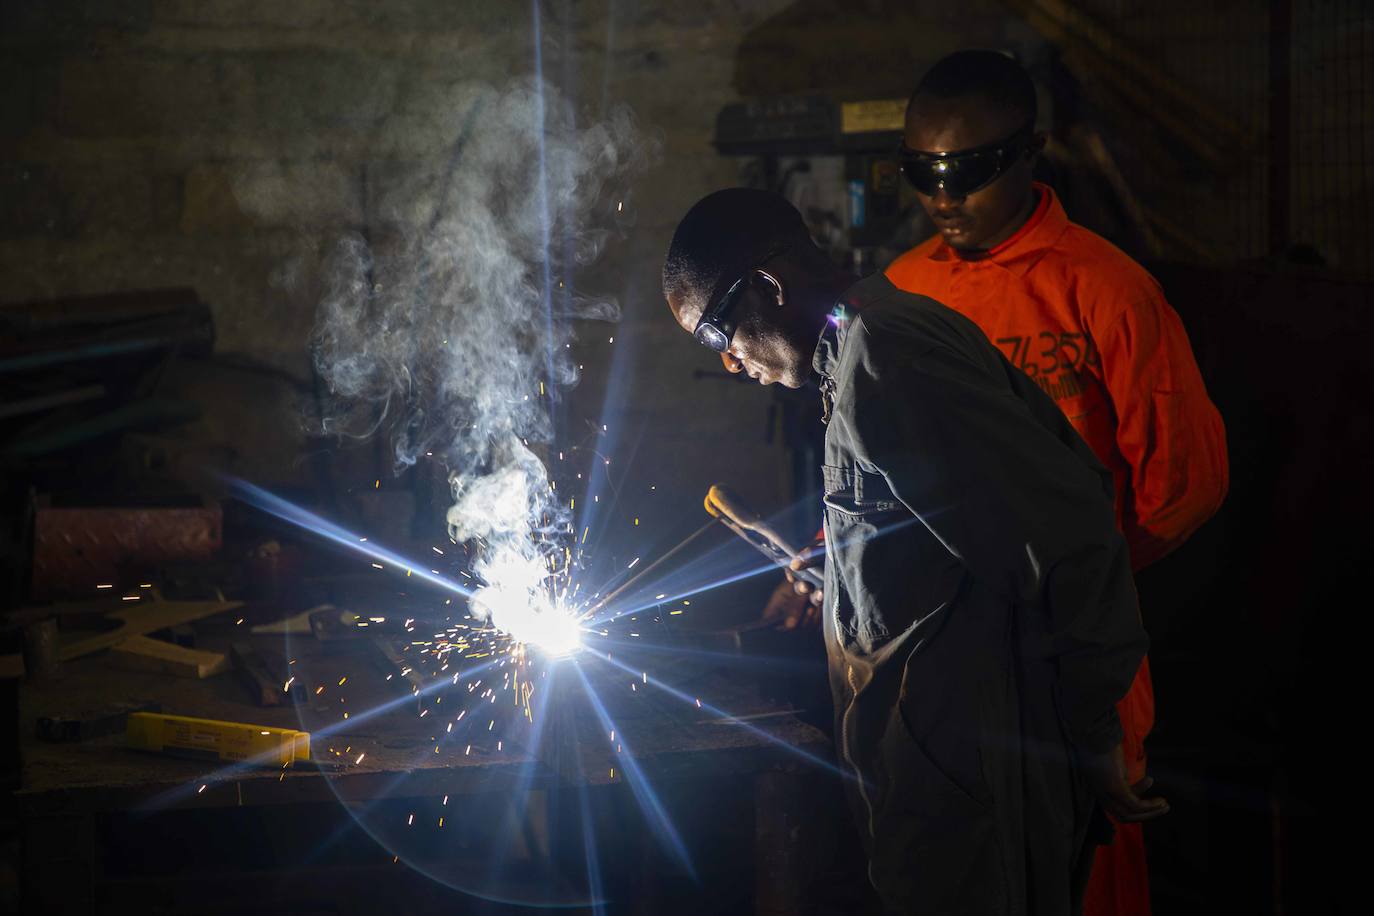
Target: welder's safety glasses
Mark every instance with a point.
(961, 173)
(716, 328)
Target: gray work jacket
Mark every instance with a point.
(980, 614)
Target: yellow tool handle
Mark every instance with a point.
(724, 504)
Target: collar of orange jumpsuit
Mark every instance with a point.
(1094, 330)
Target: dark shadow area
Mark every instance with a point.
(1254, 653)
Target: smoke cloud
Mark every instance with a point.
(444, 323)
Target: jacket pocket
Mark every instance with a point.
(935, 845)
(884, 570)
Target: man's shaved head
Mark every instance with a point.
(756, 236)
(989, 77)
(723, 236)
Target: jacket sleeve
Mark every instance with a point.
(1168, 430)
(1022, 510)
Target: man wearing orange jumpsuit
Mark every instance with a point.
(1082, 319)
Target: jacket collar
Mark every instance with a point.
(827, 357)
(864, 292)
(1027, 245)
(827, 354)
(825, 361)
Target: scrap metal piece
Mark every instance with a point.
(296, 624)
(392, 661)
(87, 724)
(337, 631)
(76, 549)
(136, 619)
(141, 653)
(267, 684)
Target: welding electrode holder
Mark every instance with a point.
(726, 507)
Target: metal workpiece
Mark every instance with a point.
(76, 549)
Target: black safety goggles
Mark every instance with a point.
(717, 325)
(961, 173)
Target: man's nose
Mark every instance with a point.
(943, 200)
(731, 364)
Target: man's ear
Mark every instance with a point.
(774, 286)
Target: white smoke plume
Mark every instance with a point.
(445, 324)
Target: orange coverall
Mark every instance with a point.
(1093, 329)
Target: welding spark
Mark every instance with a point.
(519, 600)
(526, 612)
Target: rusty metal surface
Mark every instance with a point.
(76, 549)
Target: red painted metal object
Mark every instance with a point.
(77, 549)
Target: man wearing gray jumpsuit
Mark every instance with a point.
(979, 613)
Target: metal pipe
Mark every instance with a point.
(46, 401)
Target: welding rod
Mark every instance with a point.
(651, 567)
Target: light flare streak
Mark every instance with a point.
(304, 518)
(531, 618)
(639, 784)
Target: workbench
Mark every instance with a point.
(97, 816)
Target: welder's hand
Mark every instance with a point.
(789, 610)
(812, 556)
(1106, 776)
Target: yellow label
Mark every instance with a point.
(872, 116)
(256, 744)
